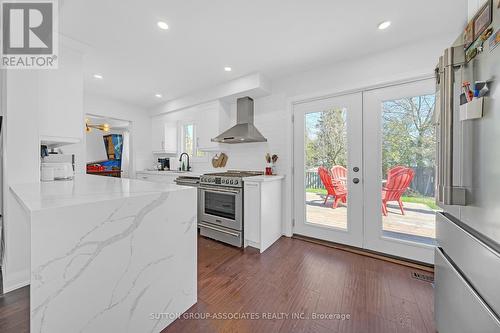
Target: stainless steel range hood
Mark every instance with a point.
(244, 131)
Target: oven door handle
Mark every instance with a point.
(218, 189)
(218, 229)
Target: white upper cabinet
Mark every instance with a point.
(164, 136)
(61, 115)
(213, 120)
(170, 137)
(209, 120)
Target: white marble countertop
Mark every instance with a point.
(263, 178)
(170, 172)
(85, 189)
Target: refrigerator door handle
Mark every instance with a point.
(448, 193)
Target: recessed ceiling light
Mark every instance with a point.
(98, 76)
(158, 95)
(162, 25)
(384, 25)
(228, 69)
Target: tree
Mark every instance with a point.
(326, 139)
(409, 138)
(408, 132)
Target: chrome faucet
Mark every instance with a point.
(188, 167)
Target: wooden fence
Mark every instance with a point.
(423, 182)
(312, 180)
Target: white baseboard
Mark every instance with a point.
(15, 281)
(252, 244)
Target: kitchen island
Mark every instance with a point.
(109, 254)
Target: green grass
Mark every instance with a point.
(428, 201)
(316, 190)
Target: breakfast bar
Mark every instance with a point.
(109, 254)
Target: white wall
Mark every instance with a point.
(94, 147)
(273, 112)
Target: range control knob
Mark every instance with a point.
(231, 182)
(236, 181)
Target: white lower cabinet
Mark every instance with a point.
(167, 179)
(262, 208)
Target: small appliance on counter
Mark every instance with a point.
(57, 167)
(163, 164)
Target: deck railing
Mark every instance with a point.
(423, 182)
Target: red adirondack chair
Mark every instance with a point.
(398, 180)
(334, 188)
(339, 173)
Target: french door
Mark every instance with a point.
(327, 134)
(399, 133)
(364, 169)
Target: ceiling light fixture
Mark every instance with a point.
(384, 25)
(228, 69)
(158, 95)
(162, 25)
(101, 127)
(98, 76)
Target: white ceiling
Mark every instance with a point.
(275, 37)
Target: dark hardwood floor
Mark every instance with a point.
(293, 276)
(14, 311)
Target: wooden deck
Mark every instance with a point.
(419, 220)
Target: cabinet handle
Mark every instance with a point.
(163, 145)
(203, 225)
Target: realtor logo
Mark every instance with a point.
(29, 34)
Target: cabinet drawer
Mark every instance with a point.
(458, 307)
(477, 261)
(143, 177)
(222, 234)
(166, 179)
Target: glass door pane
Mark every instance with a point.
(399, 154)
(408, 168)
(327, 164)
(325, 178)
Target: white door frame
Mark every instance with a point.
(353, 235)
(289, 228)
(373, 237)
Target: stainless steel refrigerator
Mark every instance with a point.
(467, 259)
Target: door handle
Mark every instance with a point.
(219, 230)
(355, 180)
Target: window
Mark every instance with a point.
(189, 140)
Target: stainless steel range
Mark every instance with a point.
(221, 205)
